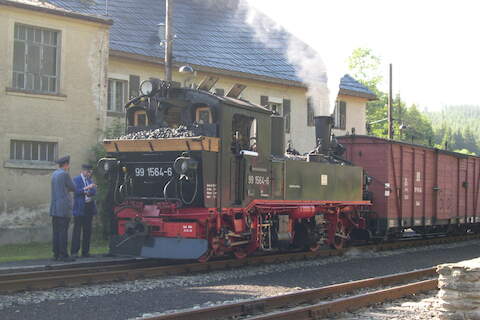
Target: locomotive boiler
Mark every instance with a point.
(200, 175)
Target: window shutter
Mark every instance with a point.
(263, 101)
(343, 115)
(286, 114)
(134, 86)
(110, 95)
(310, 113)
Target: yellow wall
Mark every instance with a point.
(72, 118)
(356, 115)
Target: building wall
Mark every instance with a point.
(302, 136)
(356, 115)
(73, 118)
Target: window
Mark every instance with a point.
(244, 133)
(203, 115)
(35, 59)
(276, 108)
(287, 114)
(340, 115)
(33, 150)
(140, 119)
(310, 113)
(280, 107)
(117, 95)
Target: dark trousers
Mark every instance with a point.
(60, 236)
(82, 227)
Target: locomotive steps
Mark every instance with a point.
(40, 280)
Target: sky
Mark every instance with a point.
(434, 46)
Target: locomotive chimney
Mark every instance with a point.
(323, 131)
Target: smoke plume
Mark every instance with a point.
(309, 66)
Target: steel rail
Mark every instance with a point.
(72, 269)
(264, 305)
(26, 281)
(324, 309)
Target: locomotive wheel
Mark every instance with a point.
(206, 256)
(314, 247)
(240, 254)
(341, 237)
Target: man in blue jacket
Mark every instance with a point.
(83, 211)
(61, 208)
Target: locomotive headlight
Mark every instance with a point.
(146, 87)
(106, 164)
(185, 166)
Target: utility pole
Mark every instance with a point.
(168, 40)
(390, 102)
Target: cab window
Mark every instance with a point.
(244, 133)
(203, 115)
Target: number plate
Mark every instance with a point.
(153, 172)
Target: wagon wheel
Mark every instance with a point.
(341, 236)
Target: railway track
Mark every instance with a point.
(68, 277)
(317, 303)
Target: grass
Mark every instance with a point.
(36, 250)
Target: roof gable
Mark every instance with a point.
(350, 86)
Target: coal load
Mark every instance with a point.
(160, 133)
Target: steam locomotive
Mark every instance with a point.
(199, 175)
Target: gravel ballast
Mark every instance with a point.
(136, 298)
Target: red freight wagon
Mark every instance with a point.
(426, 189)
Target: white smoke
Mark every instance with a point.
(308, 64)
(311, 69)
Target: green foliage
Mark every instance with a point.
(453, 128)
(365, 67)
(464, 151)
(457, 128)
(41, 250)
(115, 130)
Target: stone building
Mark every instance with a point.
(52, 77)
(70, 65)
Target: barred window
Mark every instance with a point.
(117, 95)
(33, 150)
(35, 59)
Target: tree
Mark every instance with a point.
(419, 128)
(365, 67)
(115, 130)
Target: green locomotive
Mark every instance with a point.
(199, 175)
